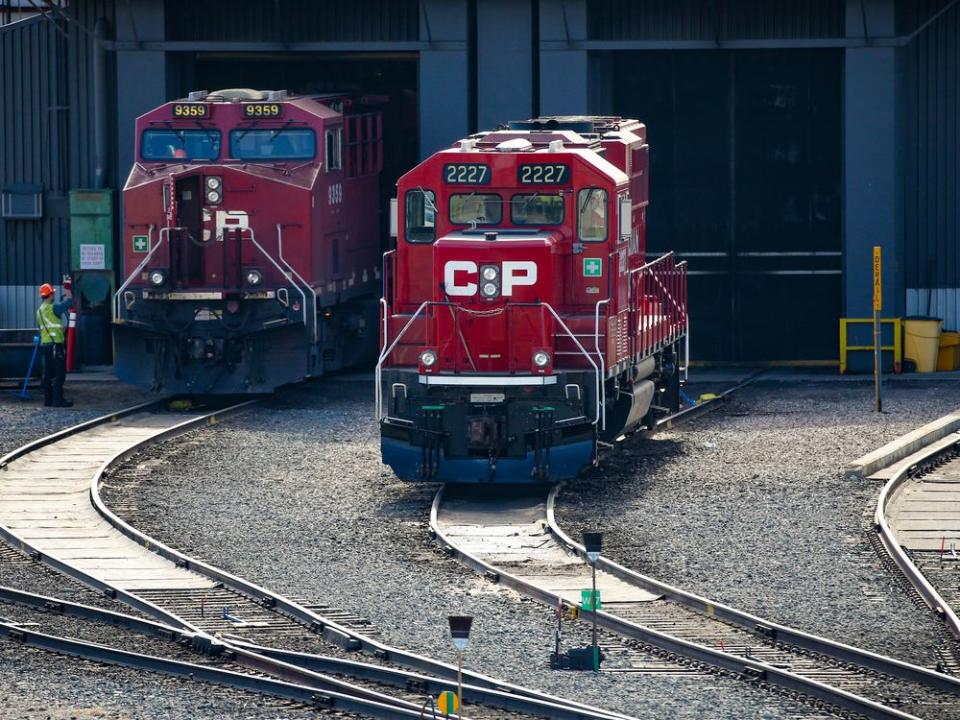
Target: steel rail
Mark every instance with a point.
(695, 411)
(761, 627)
(930, 595)
(67, 608)
(423, 683)
(330, 630)
(318, 663)
(748, 667)
(388, 710)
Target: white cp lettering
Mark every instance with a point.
(450, 271)
(514, 273)
(517, 273)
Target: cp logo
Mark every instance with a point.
(459, 276)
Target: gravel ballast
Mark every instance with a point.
(302, 504)
(748, 505)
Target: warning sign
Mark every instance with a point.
(92, 257)
(877, 284)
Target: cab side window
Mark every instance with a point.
(592, 215)
(334, 149)
(420, 216)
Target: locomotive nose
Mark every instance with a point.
(495, 297)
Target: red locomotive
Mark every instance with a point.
(251, 242)
(522, 325)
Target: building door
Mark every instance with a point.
(745, 185)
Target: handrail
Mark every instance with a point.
(313, 292)
(303, 296)
(141, 266)
(603, 369)
(385, 353)
(431, 303)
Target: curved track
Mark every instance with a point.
(515, 541)
(50, 510)
(917, 520)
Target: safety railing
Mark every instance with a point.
(309, 309)
(387, 347)
(658, 296)
(304, 283)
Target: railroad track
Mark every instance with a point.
(51, 512)
(917, 524)
(516, 541)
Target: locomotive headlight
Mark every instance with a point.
(428, 358)
(489, 289)
(490, 277)
(157, 277)
(490, 272)
(541, 359)
(254, 277)
(214, 197)
(214, 182)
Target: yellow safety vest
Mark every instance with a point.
(51, 329)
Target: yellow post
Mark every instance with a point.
(877, 305)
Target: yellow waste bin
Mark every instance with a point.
(921, 342)
(949, 356)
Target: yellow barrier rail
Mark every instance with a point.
(896, 348)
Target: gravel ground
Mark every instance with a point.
(303, 505)
(37, 685)
(25, 420)
(748, 505)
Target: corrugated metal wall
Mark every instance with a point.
(45, 139)
(713, 19)
(316, 21)
(932, 161)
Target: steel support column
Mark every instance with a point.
(872, 164)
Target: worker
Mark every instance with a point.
(52, 349)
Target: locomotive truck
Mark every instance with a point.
(522, 324)
(251, 242)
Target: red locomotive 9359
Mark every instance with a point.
(251, 242)
(522, 323)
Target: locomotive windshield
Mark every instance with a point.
(276, 144)
(175, 144)
(536, 209)
(476, 209)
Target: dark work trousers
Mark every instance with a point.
(54, 372)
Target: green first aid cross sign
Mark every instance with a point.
(592, 267)
(141, 243)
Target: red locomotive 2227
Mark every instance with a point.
(522, 325)
(251, 242)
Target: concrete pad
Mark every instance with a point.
(904, 446)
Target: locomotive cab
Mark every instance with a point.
(521, 323)
(250, 242)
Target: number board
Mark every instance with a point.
(543, 174)
(191, 110)
(256, 110)
(466, 174)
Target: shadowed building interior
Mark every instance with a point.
(788, 137)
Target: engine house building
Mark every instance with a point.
(788, 137)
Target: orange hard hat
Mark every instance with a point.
(46, 290)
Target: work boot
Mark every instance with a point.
(63, 403)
